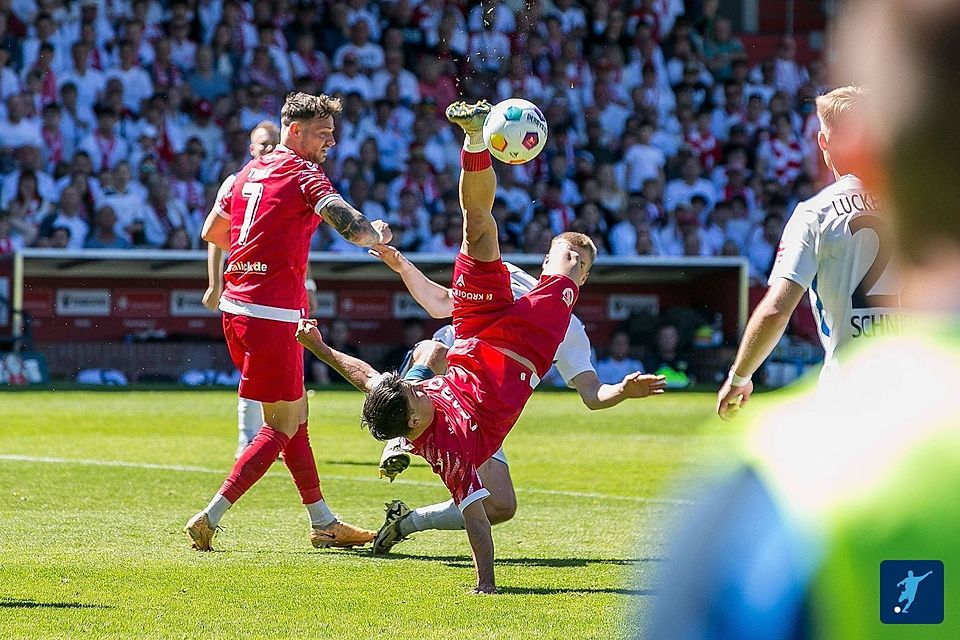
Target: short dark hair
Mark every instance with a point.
(303, 106)
(386, 409)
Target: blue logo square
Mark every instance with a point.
(911, 592)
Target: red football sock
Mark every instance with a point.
(298, 456)
(253, 462)
(478, 161)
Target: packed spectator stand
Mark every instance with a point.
(120, 119)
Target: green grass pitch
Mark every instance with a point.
(95, 489)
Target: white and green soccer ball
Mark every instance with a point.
(515, 131)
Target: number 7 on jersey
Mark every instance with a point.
(252, 191)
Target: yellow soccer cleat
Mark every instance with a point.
(200, 532)
(469, 117)
(340, 534)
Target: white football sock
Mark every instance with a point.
(249, 420)
(444, 516)
(320, 514)
(215, 510)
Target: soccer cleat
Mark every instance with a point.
(340, 534)
(200, 532)
(470, 117)
(390, 533)
(395, 458)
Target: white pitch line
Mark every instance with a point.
(415, 483)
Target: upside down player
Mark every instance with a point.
(267, 219)
(429, 359)
(458, 420)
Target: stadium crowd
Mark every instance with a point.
(120, 119)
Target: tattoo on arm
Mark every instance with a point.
(351, 224)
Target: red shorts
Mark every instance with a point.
(532, 326)
(268, 356)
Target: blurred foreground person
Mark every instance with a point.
(865, 470)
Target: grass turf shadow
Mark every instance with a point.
(17, 603)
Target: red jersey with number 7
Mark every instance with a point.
(273, 207)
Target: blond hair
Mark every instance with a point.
(269, 127)
(303, 106)
(832, 106)
(577, 239)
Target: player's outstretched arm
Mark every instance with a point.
(434, 298)
(481, 543)
(211, 297)
(764, 330)
(216, 230)
(359, 373)
(354, 226)
(596, 395)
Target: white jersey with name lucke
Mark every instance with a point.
(836, 245)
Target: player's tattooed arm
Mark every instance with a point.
(353, 225)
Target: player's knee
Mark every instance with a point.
(432, 354)
(502, 510)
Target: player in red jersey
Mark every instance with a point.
(458, 420)
(263, 139)
(265, 221)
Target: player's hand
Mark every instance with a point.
(307, 333)
(731, 399)
(641, 385)
(390, 256)
(484, 589)
(386, 235)
(211, 297)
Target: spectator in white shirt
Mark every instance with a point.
(369, 54)
(126, 201)
(68, 216)
(17, 129)
(690, 183)
(789, 76)
(618, 364)
(205, 129)
(89, 82)
(643, 160)
(163, 214)
(104, 146)
(407, 83)
(349, 79)
(137, 85)
(45, 31)
(183, 51)
(488, 50)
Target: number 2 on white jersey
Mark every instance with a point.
(252, 191)
(862, 297)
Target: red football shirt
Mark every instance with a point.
(273, 206)
(476, 403)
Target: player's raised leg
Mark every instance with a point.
(500, 506)
(249, 421)
(478, 182)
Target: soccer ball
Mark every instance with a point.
(515, 131)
